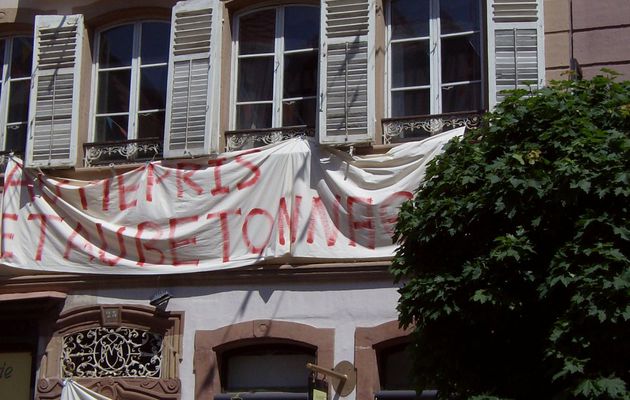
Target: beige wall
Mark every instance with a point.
(600, 35)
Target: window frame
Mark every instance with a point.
(435, 61)
(278, 75)
(5, 90)
(134, 84)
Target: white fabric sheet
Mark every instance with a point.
(73, 391)
(294, 201)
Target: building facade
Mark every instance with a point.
(91, 90)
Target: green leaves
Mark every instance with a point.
(515, 253)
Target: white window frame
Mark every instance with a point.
(276, 102)
(134, 85)
(5, 91)
(435, 76)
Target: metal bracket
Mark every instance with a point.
(343, 377)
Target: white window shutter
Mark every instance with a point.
(192, 123)
(515, 46)
(54, 102)
(347, 72)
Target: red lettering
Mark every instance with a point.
(292, 221)
(122, 191)
(153, 178)
(254, 168)
(225, 231)
(366, 223)
(184, 177)
(218, 187)
(102, 253)
(83, 197)
(246, 237)
(7, 235)
(43, 218)
(388, 210)
(71, 245)
(26, 181)
(318, 211)
(106, 185)
(142, 244)
(174, 244)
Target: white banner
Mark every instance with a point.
(73, 391)
(288, 202)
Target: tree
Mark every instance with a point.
(514, 253)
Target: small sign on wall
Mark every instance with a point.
(317, 388)
(15, 375)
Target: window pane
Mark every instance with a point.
(461, 58)
(22, 57)
(2, 47)
(459, 15)
(155, 42)
(395, 368)
(115, 48)
(300, 74)
(153, 88)
(111, 129)
(461, 98)
(410, 64)
(253, 116)
(113, 91)
(16, 138)
(255, 79)
(301, 28)
(151, 125)
(18, 101)
(299, 112)
(410, 18)
(410, 102)
(268, 372)
(257, 32)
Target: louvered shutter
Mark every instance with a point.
(515, 46)
(54, 103)
(193, 85)
(347, 71)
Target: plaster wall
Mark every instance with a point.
(341, 306)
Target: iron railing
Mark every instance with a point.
(122, 152)
(405, 129)
(250, 138)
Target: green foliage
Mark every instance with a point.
(514, 254)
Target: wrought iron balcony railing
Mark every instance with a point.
(250, 138)
(122, 152)
(405, 129)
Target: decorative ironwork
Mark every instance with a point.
(405, 129)
(124, 152)
(251, 138)
(119, 352)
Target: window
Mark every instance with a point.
(117, 352)
(130, 81)
(435, 57)
(395, 374)
(266, 368)
(16, 55)
(277, 57)
(131, 347)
